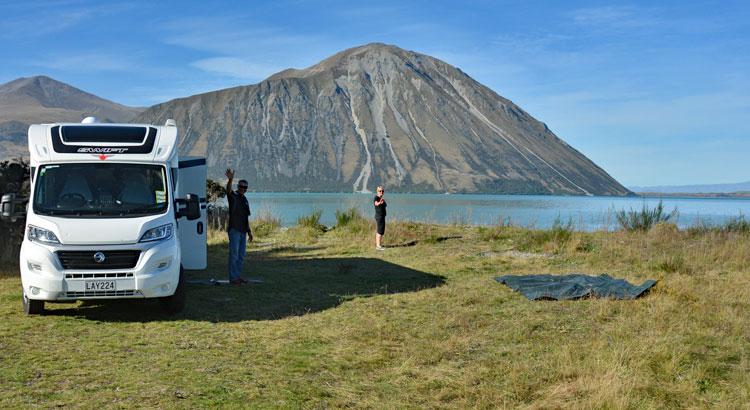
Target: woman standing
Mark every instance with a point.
(380, 206)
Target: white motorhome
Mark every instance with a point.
(113, 213)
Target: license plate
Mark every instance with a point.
(99, 285)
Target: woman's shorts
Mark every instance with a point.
(380, 224)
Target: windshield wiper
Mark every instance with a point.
(62, 212)
(140, 210)
(71, 212)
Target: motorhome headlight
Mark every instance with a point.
(37, 234)
(157, 234)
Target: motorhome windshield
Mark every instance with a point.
(93, 190)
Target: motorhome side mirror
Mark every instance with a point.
(9, 208)
(6, 204)
(191, 209)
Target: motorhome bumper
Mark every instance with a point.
(156, 274)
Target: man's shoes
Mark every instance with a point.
(380, 248)
(243, 280)
(236, 282)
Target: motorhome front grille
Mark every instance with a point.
(100, 293)
(99, 259)
(98, 275)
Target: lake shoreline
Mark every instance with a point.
(537, 211)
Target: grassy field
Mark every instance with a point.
(421, 325)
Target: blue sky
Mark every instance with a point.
(655, 93)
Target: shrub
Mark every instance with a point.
(700, 227)
(561, 233)
(14, 178)
(312, 220)
(344, 218)
(265, 224)
(736, 224)
(217, 217)
(352, 221)
(499, 230)
(584, 245)
(644, 219)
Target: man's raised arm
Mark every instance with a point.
(230, 176)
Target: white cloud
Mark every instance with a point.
(38, 19)
(614, 18)
(42, 24)
(88, 62)
(232, 36)
(242, 68)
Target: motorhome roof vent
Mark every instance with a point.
(89, 120)
(170, 123)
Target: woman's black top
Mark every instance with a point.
(379, 209)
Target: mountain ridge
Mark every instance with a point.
(40, 99)
(370, 115)
(695, 188)
(378, 114)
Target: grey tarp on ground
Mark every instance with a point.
(573, 286)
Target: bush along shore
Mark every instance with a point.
(14, 179)
(332, 323)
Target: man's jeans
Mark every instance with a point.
(237, 244)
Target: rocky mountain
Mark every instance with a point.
(379, 115)
(42, 99)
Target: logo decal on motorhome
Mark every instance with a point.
(96, 150)
(99, 257)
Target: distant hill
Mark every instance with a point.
(40, 99)
(695, 189)
(378, 114)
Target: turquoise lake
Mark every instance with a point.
(587, 213)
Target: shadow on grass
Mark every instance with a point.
(292, 286)
(430, 240)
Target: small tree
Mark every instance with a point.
(217, 215)
(214, 191)
(14, 178)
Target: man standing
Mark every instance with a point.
(237, 227)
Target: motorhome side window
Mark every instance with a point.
(101, 190)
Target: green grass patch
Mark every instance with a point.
(337, 324)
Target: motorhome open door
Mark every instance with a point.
(191, 179)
